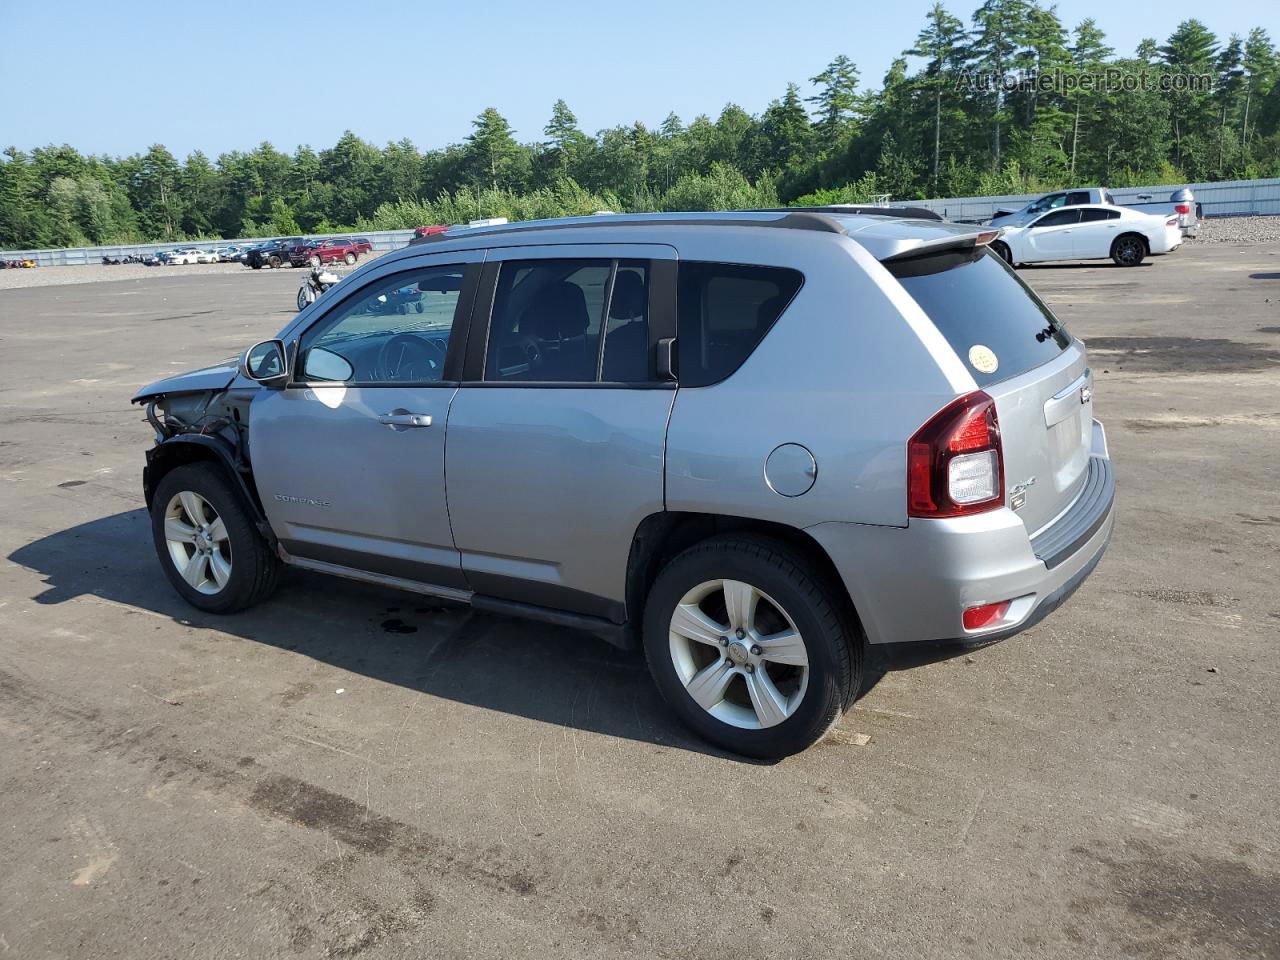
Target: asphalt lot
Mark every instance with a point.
(349, 771)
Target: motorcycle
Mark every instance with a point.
(318, 281)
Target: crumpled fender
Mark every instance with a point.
(215, 378)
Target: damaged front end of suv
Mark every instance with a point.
(202, 416)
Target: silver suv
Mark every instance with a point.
(751, 443)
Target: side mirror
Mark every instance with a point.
(266, 363)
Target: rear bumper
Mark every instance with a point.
(912, 584)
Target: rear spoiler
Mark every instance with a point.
(924, 248)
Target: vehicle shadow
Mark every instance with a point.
(1083, 265)
(1264, 276)
(542, 672)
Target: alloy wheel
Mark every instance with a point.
(198, 543)
(739, 654)
(1129, 251)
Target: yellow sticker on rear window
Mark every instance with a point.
(983, 359)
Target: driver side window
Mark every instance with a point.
(1051, 202)
(395, 330)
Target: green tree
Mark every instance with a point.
(999, 27)
(1260, 70)
(157, 194)
(783, 136)
(1189, 52)
(836, 101)
(494, 158)
(941, 44)
(566, 144)
(1088, 53)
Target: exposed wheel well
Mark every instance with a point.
(661, 536)
(165, 457)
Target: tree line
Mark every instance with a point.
(994, 106)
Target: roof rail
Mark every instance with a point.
(793, 220)
(852, 209)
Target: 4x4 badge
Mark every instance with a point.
(1018, 493)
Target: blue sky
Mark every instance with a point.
(111, 78)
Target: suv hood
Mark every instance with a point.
(217, 377)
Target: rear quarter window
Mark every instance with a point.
(723, 311)
(977, 302)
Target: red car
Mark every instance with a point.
(423, 232)
(316, 252)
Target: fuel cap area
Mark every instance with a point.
(790, 470)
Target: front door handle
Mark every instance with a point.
(399, 419)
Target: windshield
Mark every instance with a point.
(995, 323)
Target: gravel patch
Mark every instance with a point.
(98, 273)
(1239, 230)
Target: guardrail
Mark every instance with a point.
(1230, 198)
(1224, 199)
(382, 240)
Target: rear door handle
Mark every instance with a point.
(405, 419)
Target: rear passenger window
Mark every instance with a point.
(1093, 215)
(723, 311)
(570, 321)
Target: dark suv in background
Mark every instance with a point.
(273, 253)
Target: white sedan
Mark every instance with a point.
(206, 256)
(182, 256)
(1090, 232)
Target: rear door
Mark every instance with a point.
(1052, 237)
(557, 434)
(1098, 228)
(1022, 356)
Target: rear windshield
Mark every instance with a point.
(995, 323)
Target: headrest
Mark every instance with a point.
(630, 298)
(558, 310)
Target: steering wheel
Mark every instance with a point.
(408, 357)
(531, 348)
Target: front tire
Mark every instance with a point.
(1001, 250)
(1128, 250)
(207, 542)
(749, 646)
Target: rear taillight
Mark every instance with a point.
(954, 462)
(1182, 209)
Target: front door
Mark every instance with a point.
(557, 433)
(349, 458)
(1052, 237)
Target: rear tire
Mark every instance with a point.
(1128, 250)
(230, 569)
(273, 261)
(756, 695)
(349, 259)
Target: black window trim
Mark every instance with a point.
(458, 333)
(662, 322)
(1039, 222)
